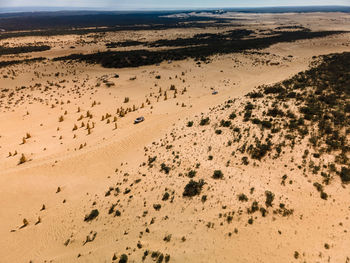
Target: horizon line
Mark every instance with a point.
(105, 9)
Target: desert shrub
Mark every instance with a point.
(155, 255)
(254, 207)
(157, 207)
(296, 254)
(123, 258)
(193, 188)
(249, 106)
(255, 95)
(256, 121)
(166, 196)
(266, 124)
(191, 174)
(164, 168)
(260, 150)
(111, 209)
(167, 238)
(190, 124)
(274, 90)
(218, 174)
(242, 198)
(263, 211)
(269, 198)
(318, 186)
(22, 160)
(160, 258)
(245, 160)
(324, 195)
(232, 116)
(247, 115)
(274, 112)
(345, 174)
(151, 159)
(218, 132)
(224, 123)
(204, 121)
(93, 214)
(236, 129)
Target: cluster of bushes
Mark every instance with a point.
(321, 109)
(260, 150)
(207, 45)
(22, 49)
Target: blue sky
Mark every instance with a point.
(163, 4)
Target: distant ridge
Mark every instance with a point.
(272, 9)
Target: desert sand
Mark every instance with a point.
(66, 148)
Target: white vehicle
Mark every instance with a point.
(139, 119)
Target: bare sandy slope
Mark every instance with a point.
(106, 151)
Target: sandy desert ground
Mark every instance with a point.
(68, 146)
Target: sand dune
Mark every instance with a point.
(68, 146)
